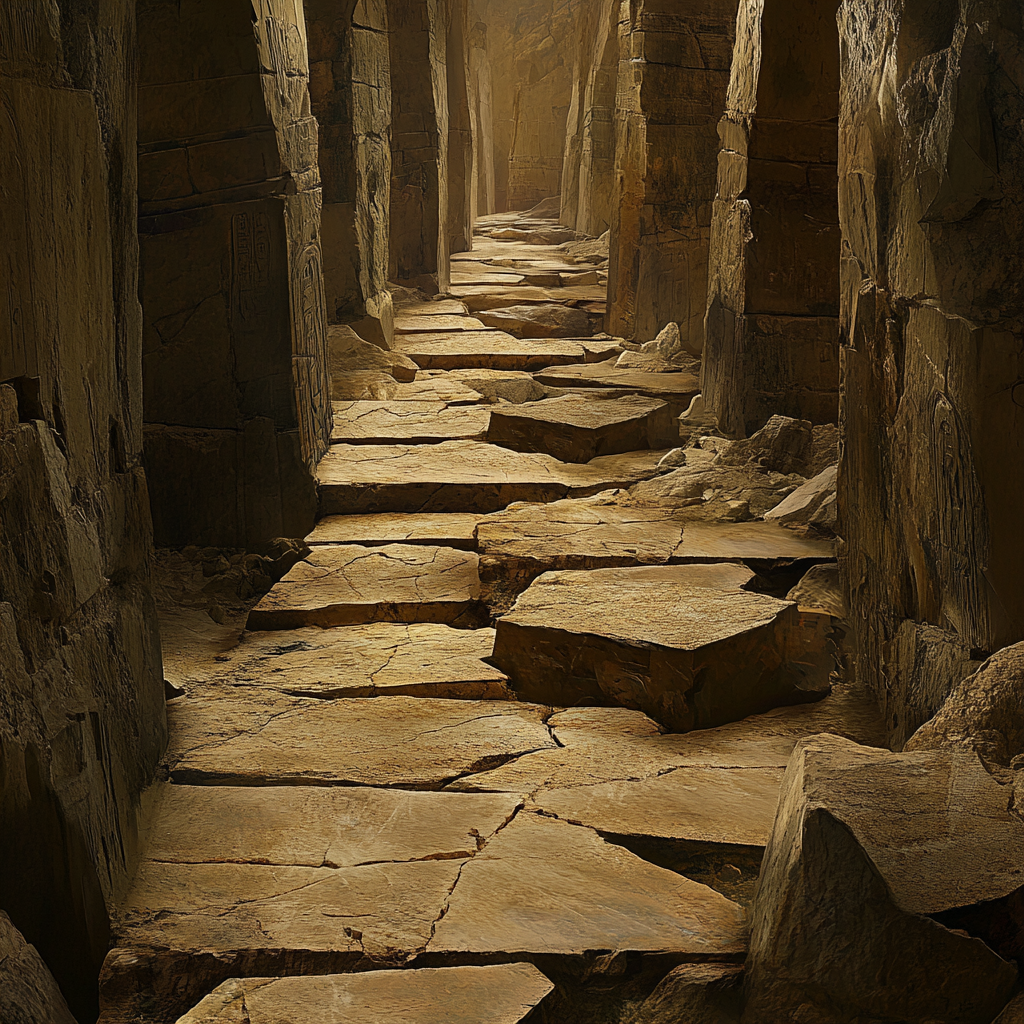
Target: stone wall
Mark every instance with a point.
(772, 344)
(350, 89)
(419, 141)
(81, 691)
(588, 171)
(931, 171)
(234, 342)
(675, 57)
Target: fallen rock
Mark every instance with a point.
(514, 386)
(654, 362)
(783, 445)
(811, 504)
(573, 429)
(670, 343)
(684, 644)
(820, 588)
(695, 994)
(407, 422)
(447, 530)
(494, 350)
(866, 842)
(346, 584)
(505, 994)
(378, 659)
(28, 992)
(539, 321)
(984, 713)
(349, 354)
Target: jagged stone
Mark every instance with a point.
(346, 584)
(696, 994)
(573, 429)
(258, 737)
(783, 445)
(984, 713)
(28, 992)
(350, 354)
(540, 321)
(372, 660)
(545, 887)
(866, 842)
(494, 350)
(821, 588)
(505, 994)
(808, 504)
(461, 476)
(448, 530)
(684, 644)
(653, 362)
(407, 422)
(515, 386)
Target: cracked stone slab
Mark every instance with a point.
(318, 827)
(749, 542)
(542, 886)
(667, 386)
(488, 349)
(407, 422)
(479, 297)
(467, 275)
(685, 644)
(462, 476)
(426, 324)
(438, 307)
(374, 660)
(499, 994)
(435, 387)
(573, 429)
(446, 529)
(260, 737)
(347, 584)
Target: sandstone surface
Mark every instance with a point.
(539, 321)
(678, 387)
(697, 994)
(488, 350)
(448, 530)
(29, 994)
(407, 422)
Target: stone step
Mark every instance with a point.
(462, 476)
(257, 737)
(346, 584)
(438, 307)
(685, 644)
(373, 660)
(435, 387)
(478, 297)
(428, 324)
(679, 387)
(407, 422)
(445, 529)
(573, 429)
(491, 349)
(539, 321)
(498, 994)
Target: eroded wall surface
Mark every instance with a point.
(350, 90)
(81, 690)
(234, 360)
(772, 329)
(675, 57)
(932, 309)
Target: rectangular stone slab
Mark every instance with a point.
(545, 887)
(499, 994)
(685, 644)
(345, 584)
(748, 542)
(600, 375)
(437, 322)
(462, 476)
(407, 422)
(378, 659)
(574, 429)
(491, 349)
(446, 529)
(267, 738)
(435, 388)
(484, 296)
(442, 307)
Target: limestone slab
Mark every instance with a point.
(437, 322)
(538, 320)
(346, 584)
(500, 994)
(446, 529)
(438, 307)
(265, 738)
(607, 374)
(378, 659)
(748, 542)
(462, 476)
(491, 349)
(573, 429)
(436, 387)
(479, 297)
(542, 886)
(685, 644)
(407, 422)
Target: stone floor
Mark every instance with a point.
(376, 803)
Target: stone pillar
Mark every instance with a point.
(772, 344)
(481, 112)
(588, 171)
(350, 90)
(674, 65)
(236, 399)
(419, 141)
(460, 131)
(931, 483)
(82, 704)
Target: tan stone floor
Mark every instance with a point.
(364, 817)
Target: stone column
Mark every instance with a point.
(350, 90)
(460, 131)
(675, 57)
(931, 483)
(236, 396)
(772, 342)
(419, 141)
(481, 114)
